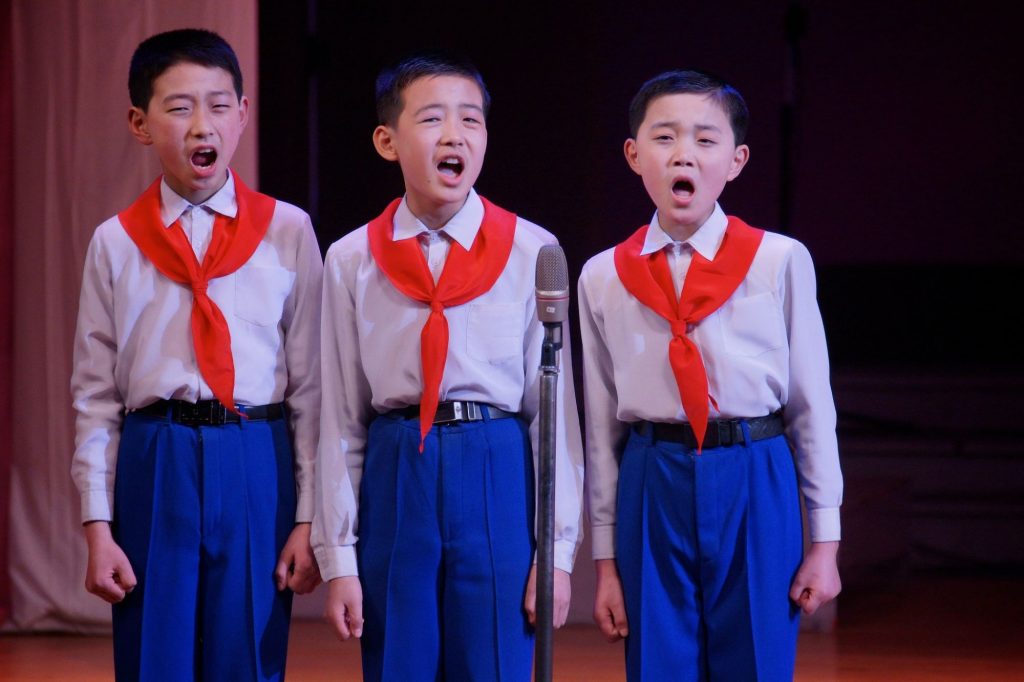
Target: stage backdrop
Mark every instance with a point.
(76, 165)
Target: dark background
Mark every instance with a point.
(884, 135)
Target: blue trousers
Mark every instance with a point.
(445, 550)
(202, 514)
(707, 547)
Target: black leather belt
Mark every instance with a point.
(454, 411)
(720, 433)
(208, 412)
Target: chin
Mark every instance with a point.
(452, 194)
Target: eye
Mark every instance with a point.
(471, 121)
(430, 119)
(663, 138)
(706, 141)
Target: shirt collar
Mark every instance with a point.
(705, 241)
(462, 227)
(172, 204)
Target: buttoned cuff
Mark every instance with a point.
(97, 505)
(336, 562)
(564, 555)
(824, 524)
(603, 541)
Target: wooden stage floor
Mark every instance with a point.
(932, 629)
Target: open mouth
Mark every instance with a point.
(682, 188)
(204, 158)
(451, 166)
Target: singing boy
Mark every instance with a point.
(196, 384)
(431, 353)
(705, 376)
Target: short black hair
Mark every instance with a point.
(393, 79)
(696, 82)
(159, 52)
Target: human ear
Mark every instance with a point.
(384, 142)
(739, 160)
(632, 157)
(138, 125)
(243, 111)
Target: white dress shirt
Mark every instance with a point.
(764, 349)
(133, 343)
(371, 364)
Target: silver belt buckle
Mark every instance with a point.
(451, 417)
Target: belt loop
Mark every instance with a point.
(745, 425)
(647, 431)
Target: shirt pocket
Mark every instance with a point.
(260, 294)
(495, 331)
(753, 325)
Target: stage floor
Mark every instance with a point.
(931, 629)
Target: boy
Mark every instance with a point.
(196, 383)
(431, 350)
(704, 353)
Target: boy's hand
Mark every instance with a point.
(609, 606)
(344, 609)
(109, 574)
(817, 581)
(561, 593)
(297, 569)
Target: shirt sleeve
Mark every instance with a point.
(98, 404)
(605, 434)
(810, 411)
(302, 358)
(345, 414)
(568, 487)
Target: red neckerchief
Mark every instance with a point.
(233, 243)
(466, 275)
(707, 286)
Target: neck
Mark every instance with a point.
(680, 232)
(434, 216)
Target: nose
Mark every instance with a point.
(451, 133)
(682, 154)
(201, 124)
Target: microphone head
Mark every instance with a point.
(552, 284)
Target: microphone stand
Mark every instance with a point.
(545, 503)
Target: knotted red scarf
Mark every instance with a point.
(708, 284)
(233, 243)
(466, 275)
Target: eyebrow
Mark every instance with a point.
(191, 98)
(438, 105)
(676, 124)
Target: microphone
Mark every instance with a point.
(552, 283)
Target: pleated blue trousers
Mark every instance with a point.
(707, 547)
(445, 549)
(203, 513)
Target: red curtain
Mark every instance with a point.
(6, 287)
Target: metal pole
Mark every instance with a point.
(545, 503)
